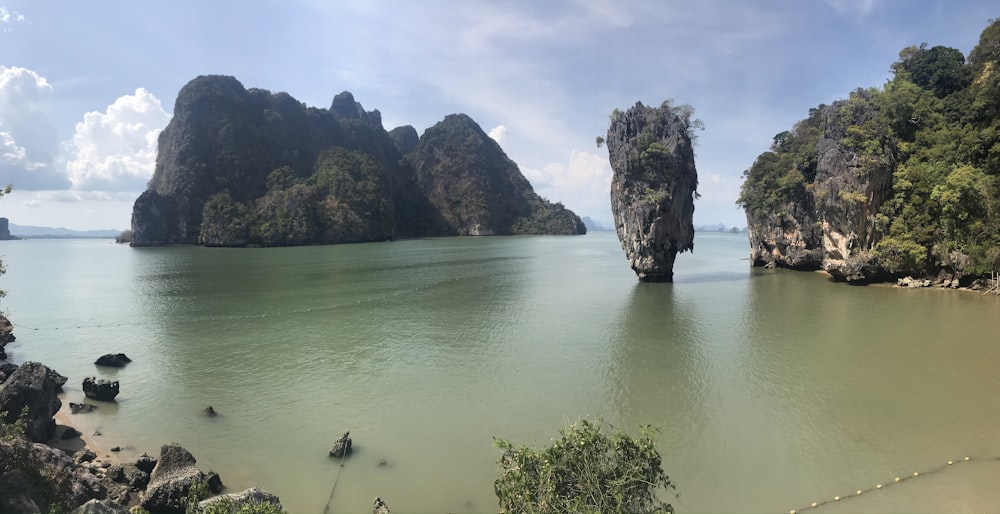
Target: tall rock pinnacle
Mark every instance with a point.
(652, 192)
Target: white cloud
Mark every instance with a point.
(498, 133)
(116, 150)
(30, 143)
(583, 183)
(10, 16)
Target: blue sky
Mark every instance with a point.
(85, 87)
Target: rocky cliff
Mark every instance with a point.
(653, 188)
(237, 167)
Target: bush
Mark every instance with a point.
(585, 470)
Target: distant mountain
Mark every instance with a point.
(718, 227)
(35, 232)
(593, 225)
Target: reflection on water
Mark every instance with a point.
(770, 388)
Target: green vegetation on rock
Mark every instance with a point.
(910, 170)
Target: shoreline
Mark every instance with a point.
(63, 419)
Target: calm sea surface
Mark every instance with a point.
(772, 389)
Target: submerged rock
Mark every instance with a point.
(342, 447)
(81, 408)
(114, 360)
(653, 188)
(102, 390)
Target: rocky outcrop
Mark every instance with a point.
(380, 507)
(653, 188)
(6, 335)
(476, 190)
(235, 501)
(101, 390)
(114, 360)
(240, 167)
(828, 220)
(5, 230)
(100, 507)
(32, 389)
(342, 447)
(170, 482)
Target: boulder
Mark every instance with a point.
(6, 334)
(81, 408)
(249, 497)
(6, 368)
(146, 463)
(653, 187)
(32, 388)
(101, 390)
(380, 507)
(130, 475)
(114, 360)
(342, 447)
(100, 507)
(171, 481)
(19, 494)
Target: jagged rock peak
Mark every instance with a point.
(404, 138)
(653, 187)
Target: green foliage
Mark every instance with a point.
(599, 141)
(225, 222)
(935, 129)
(228, 506)
(197, 492)
(585, 470)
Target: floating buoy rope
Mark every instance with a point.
(896, 480)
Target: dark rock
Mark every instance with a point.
(101, 390)
(210, 411)
(116, 448)
(85, 455)
(100, 507)
(171, 481)
(342, 447)
(6, 368)
(653, 187)
(81, 408)
(70, 433)
(32, 387)
(129, 475)
(214, 482)
(82, 484)
(146, 463)
(249, 497)
(18, 494)
(6, 334)
(114, 360)
(404, 138)
(380, 507)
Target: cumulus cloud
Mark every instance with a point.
(116, 150)
(29, 142)
(498, 133)
(583, 183)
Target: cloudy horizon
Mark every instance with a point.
(86, 89)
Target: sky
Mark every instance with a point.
(86, 87)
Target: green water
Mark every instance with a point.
(772, 389)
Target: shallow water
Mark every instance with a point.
(772, 389)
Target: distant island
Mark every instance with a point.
(238, 167)
(15, 231)
(892, 182)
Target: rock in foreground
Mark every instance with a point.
(653, 188)
(32, 388)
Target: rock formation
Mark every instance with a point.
(240, 167)
(829, 220)
(5, 230)
(102, 390)
(32, 389)
(6, 335)
(342, 447)
(171, 481)
(114, 360)
(236, 501)
(653, 188)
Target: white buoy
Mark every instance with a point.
(897, 479)
(916, 474)
(966, 458)
(814, 505)
(859, 492)
(950, 463)
(836, 498)
(878, 486)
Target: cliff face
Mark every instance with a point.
(652, 191)
(238, 166)
(812, 201)
(476, 190)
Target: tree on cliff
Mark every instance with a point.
(902, 179)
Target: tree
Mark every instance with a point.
(585, 470)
